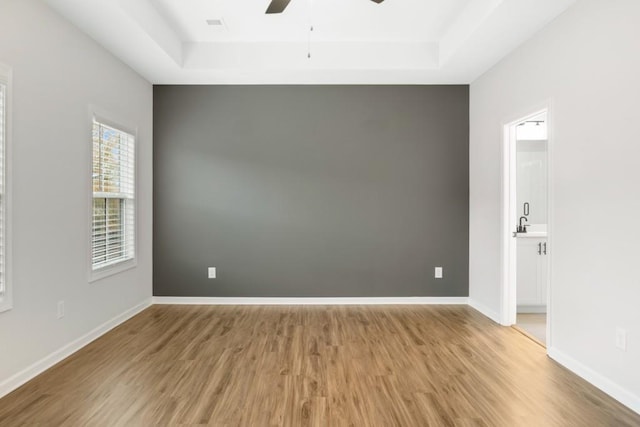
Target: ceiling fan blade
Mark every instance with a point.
(277, 6)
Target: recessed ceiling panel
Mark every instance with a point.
(333, 20)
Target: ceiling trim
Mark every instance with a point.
(154, 25)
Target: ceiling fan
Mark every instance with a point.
(278, 6)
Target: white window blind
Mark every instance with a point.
(3, 121)
(113, 217)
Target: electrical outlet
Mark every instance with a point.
(60, 309)
(212, 273)
(438, 273)
(621, 339)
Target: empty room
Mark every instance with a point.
(319, 212)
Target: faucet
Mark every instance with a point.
(522, 228)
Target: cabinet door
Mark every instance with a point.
(543, 275)
(528, 266)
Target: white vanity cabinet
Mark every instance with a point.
(532, 272)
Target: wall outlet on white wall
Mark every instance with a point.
(438, 273)
(621, 339)
(60, 309)
(212, 272)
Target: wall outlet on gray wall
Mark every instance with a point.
(438, 273)
(212, 272)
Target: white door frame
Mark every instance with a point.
(509, 216)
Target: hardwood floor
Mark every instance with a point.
(310, 365)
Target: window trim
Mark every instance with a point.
(111, 120)
(6, 299)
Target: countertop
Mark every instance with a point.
(532, 234)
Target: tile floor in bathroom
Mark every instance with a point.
(534, 324)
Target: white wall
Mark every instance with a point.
(57, 73)
(588, 62)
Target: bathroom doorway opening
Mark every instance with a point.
(526, 220)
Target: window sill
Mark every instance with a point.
(111, 270)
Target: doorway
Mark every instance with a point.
(526, 226)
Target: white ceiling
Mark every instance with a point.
(333, 20)
(352, 42)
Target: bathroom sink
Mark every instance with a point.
(534, 230)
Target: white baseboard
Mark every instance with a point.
(493, 315)
(311, 301)
(614, 390)
(15, 381)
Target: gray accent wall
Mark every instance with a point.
(311, 191)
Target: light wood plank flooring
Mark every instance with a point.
(322, 366)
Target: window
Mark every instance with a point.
(113, 182)
(5, 294)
